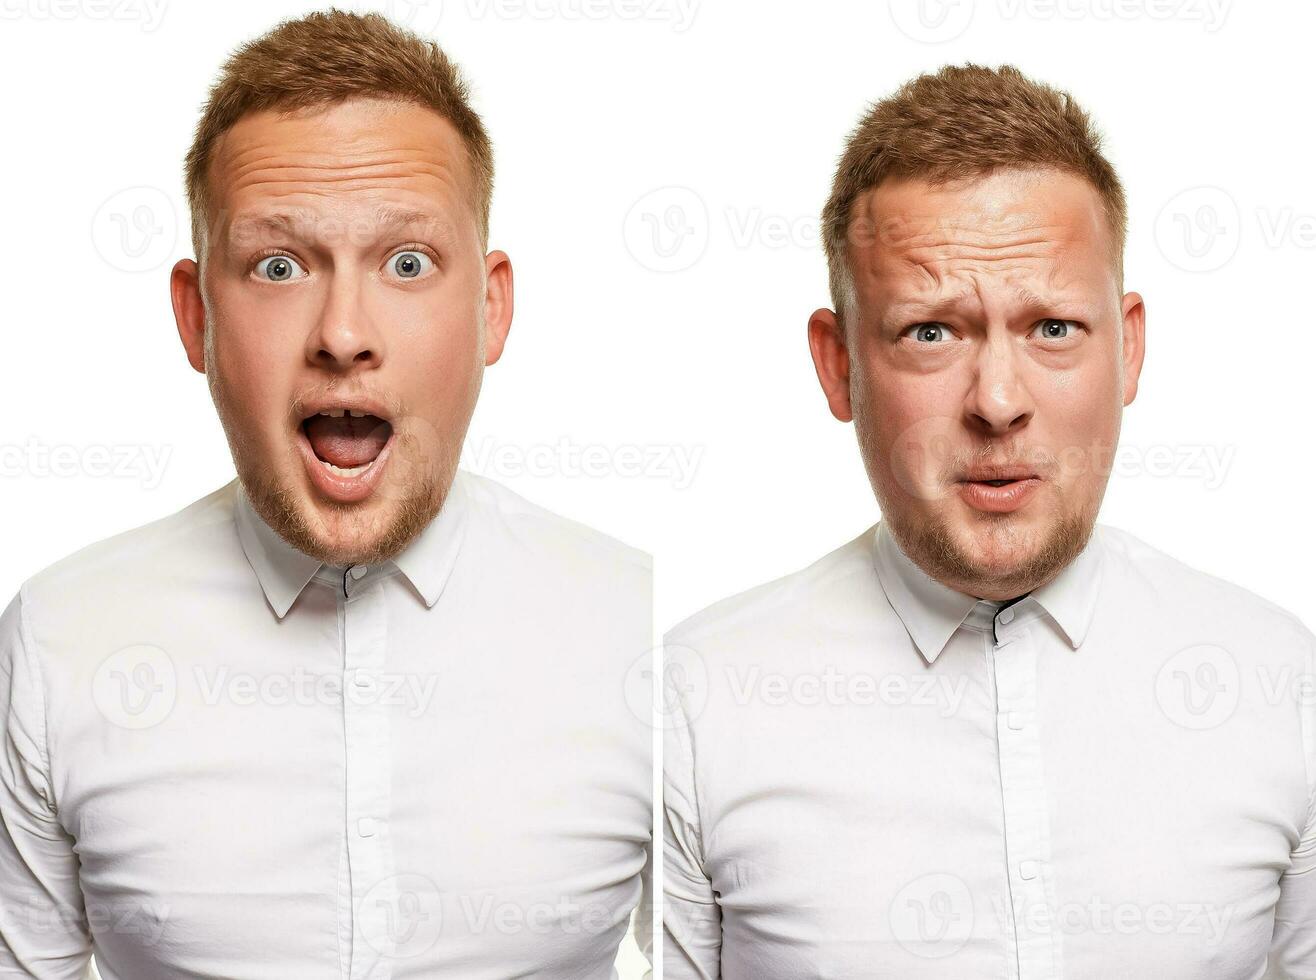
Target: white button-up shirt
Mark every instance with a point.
(871, 775)
(221, 759)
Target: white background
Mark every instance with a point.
(717, 123)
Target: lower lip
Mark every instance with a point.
(343, 489)
(999, 500)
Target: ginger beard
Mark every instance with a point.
(999, 556)
(365, 532)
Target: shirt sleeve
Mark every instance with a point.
(642, 929)
(43, 926)
(1293, 948)
(692, 919)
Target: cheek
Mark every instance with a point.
(254, 363)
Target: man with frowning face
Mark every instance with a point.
(989, 737)
(357, 713)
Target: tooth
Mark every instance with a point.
(335, 413)
(347, 471)
(358, 415)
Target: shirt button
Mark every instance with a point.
(365, 827)
(1015, 720)
(362, 679)
(357, 571)
(1028, 870)
(1006, 615)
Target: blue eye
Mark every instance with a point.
(929, 332)
(410, 265)
(1055, 329)
(279, 268)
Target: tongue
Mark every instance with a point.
(347, 441)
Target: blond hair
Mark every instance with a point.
(958, 123)
(327, 58)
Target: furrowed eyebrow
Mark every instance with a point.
(910, 313)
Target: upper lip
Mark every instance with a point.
(348, 403)
(981, 473)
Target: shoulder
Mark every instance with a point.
(543, 535)
(131, 558)
(1176, 589)
(788, 603)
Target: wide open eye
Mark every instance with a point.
(278, 268)
(408, 265)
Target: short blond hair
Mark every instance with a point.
(327, 58)
(958, 123)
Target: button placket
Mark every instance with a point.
(1024, 802)
(366, 726)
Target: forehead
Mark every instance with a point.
(358, 155)
(910, 234)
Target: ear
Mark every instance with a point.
(1135, 323)
(189, 311)
(497, 304)
(831, 359)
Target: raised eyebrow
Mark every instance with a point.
(387, 218)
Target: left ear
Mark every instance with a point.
(831, 360)
(497, 304)
(189, 311)
(1135, 322)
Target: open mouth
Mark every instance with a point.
(345, 448)
(346, 441)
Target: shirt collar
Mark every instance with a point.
(932, 612)
(283, 571)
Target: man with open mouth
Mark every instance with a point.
(987, 738)
(358, 713)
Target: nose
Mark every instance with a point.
(344, 337)
(998, 401)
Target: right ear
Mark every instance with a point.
(189, 311)
(831, 359)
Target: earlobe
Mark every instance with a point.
(497, 305)
(831, 361)
(189, 311)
